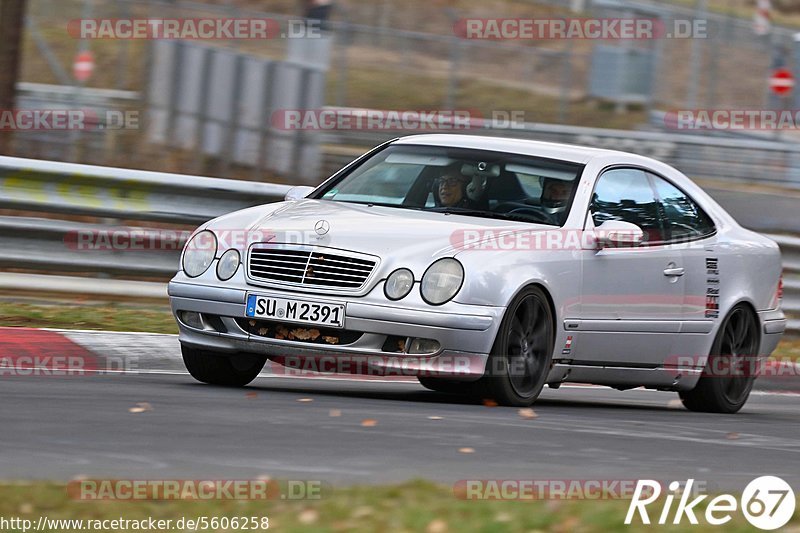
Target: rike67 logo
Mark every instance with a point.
(767, 502)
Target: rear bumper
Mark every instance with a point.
(773, 326)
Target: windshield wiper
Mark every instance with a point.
(380, 204)
(487, 214)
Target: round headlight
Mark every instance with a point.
(442, 281)
(398, 284)
(227, 265)
(199, 253)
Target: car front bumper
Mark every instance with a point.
(465, 333)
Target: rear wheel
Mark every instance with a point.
(726, 383)
(227, 370)
(520, 359)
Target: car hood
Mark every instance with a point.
(377, 230)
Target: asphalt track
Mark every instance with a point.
(63, 427)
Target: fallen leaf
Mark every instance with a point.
(502, 517)
(330, 340)
(141, 407)
(488, 402)
(362, 512)
(732, 436)
(437, 526)
(305, 400)
(252, 323)
(263, 331)
(368, 423)
(466, 450)
(528, 413)
(335, 412)
(434, 418)
(301, 333)
(308, 516)
(251, 395)
(570, 523)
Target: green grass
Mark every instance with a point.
(110, 317)
(412, 506)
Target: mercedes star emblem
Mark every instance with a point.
(322, 227)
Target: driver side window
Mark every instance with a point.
(626, 194)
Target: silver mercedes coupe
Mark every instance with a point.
(489, 267)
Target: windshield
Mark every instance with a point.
(461, 181)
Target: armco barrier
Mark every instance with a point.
(53, 187)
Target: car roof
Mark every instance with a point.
(565, 152)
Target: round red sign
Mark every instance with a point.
(84, 66)
(781, 82)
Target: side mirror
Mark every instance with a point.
(618, 234)
(298, 193)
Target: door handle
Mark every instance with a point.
(674, 272)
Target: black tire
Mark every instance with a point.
(235, 370)
(523, 350)
(737, 338)
(445, 385)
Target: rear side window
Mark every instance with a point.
(626, 194)
(685, 220)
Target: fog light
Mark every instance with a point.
(192, 319)
(423, 346)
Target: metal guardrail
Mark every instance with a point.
(53, 187)
(113, 195)
(790, 249)
(52, 245)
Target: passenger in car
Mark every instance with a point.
(555, 195)
(450, 189)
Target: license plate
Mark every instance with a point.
(298, 311)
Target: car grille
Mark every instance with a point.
(311, 267)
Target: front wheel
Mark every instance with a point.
(226, 370)
(520, 359)
(725, 385)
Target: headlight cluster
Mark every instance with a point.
(228, 264)
(399, 284)
(200, 252)
(440, 283)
